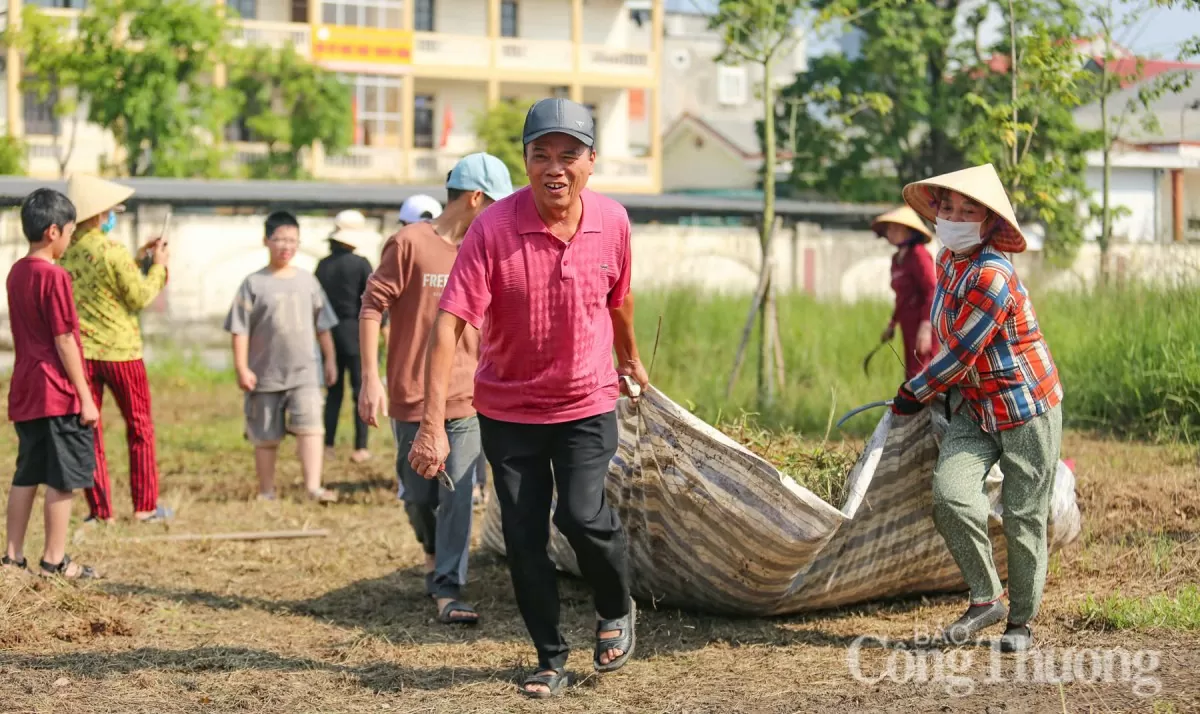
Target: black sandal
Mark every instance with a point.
(85, 571)
(555, 680)
(22, 564)
(454, 606)
(624, 642)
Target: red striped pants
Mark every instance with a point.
(131, 388)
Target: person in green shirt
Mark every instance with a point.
(110, 292)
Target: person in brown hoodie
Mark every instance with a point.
(407, 285)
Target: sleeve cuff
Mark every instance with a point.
(921, 388)
(461, 311)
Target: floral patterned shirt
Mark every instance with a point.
(110, 291)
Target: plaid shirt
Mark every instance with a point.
(991, 347)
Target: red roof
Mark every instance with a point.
(1136, 69)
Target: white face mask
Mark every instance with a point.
(959, 237)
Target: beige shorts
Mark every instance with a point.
(272, 415)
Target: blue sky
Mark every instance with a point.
(1156, 33)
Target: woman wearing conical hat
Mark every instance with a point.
(913, 282)
(110, 292)
(993, 355)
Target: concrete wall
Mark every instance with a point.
(212, 254)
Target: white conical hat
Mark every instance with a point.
(93, 195)
(903, 216)
(981, 184)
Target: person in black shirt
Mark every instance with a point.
(343, 274)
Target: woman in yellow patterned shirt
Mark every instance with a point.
(110, 292)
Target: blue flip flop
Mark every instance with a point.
(161, 513)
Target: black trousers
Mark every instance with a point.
(528, 461)
(351, 363)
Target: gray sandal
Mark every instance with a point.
(454, 606)
(624, 641)
(555, 680)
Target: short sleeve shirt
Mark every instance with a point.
(41, 306)
(546, 354)
(281, 315)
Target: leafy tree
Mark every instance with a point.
(758, 32)
(12, 156)
(289, 104)
(954, 104)
(1017, 115)
(147, 73)
(860, 128)
(498, 131)
(52, 69)
(1113, 73)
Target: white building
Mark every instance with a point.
(442, 62)
(710, 110)
(1155, 173)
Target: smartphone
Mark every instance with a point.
(148, 259)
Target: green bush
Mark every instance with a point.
(1129, 358)
(12, 156)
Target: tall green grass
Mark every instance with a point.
(1129, 358)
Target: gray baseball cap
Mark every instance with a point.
(561, 116)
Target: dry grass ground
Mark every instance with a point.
(339, 624)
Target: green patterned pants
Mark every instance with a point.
(1028, 457)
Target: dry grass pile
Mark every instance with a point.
(822, 468)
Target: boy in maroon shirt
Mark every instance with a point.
(49, 402)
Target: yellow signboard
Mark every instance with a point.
(338, 44)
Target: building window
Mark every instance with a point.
(377, 113)
(39, 113)
(384, 14)
(300, 11)
(71, 4)
(732, 86)
(423, 121)
(508, 18)
(246, 9)
(237, 131)
(423, 16)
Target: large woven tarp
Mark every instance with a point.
(713, 527)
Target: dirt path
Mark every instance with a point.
(340, 624)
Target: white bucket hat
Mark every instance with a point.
(93, 195)
(981, 184)
(350, 228)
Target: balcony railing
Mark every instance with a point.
(363, 163)
(534, 55)
(436, 49)
(273, 34)
(601, 59)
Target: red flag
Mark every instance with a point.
(447, 125)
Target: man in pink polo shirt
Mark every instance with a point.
(545, 274)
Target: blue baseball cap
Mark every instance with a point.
(481, 172)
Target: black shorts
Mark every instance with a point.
(59, 452)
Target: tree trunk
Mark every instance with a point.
(766, 375)
(755, 306)
(1105, 208)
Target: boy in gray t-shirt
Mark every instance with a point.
(278, 313)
